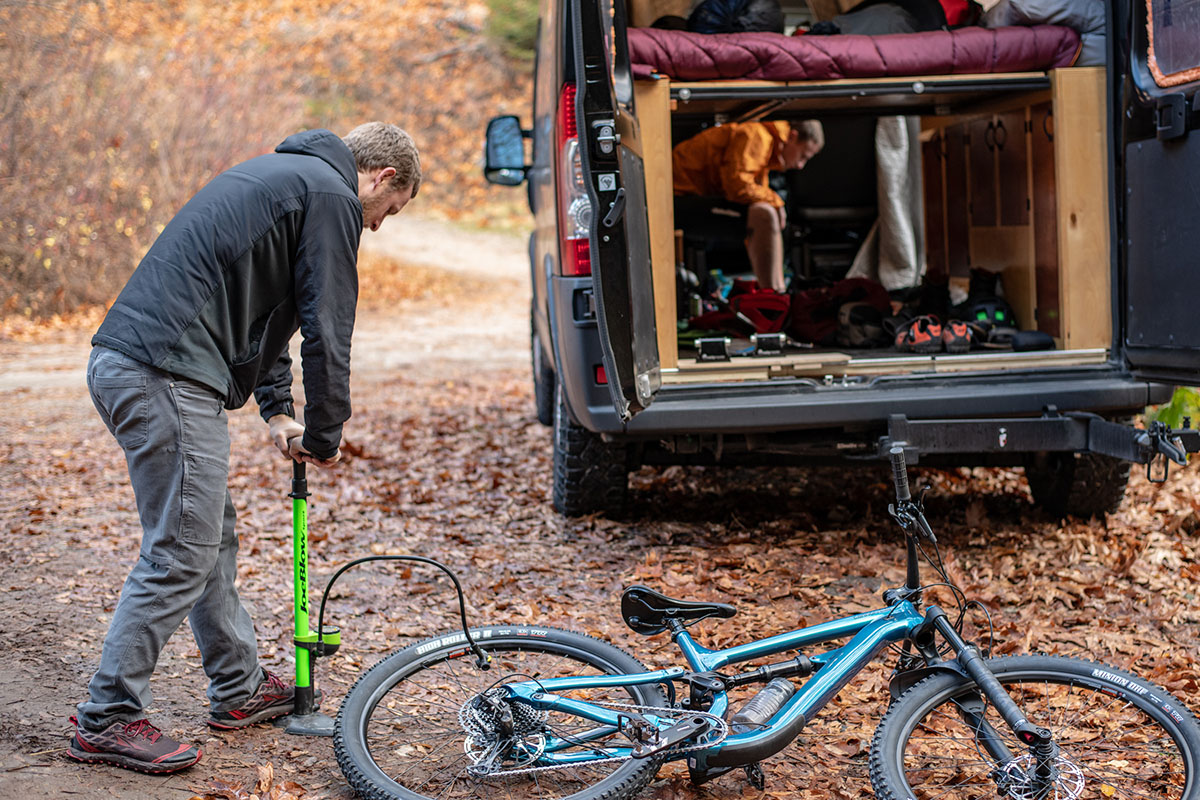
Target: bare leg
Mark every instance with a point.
(764, 245)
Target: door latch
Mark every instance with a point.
(1170, 116)
(605, 135)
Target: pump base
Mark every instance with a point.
(315, 724)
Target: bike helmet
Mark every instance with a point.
(988, 313)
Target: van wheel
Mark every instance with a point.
(543, 380)
(1079, 484)
(590, 474)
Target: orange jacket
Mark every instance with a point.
(731, 161)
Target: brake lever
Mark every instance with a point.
(910, 516)
(926, 530)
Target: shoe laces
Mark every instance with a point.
(143, 729)
(272, 685)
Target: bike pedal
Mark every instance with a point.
(679, 732)
(754, 774)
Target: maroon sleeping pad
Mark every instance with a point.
(773, 57)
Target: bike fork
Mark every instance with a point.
(1038, 739)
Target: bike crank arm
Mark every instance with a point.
(1038, 739)
(681, 731)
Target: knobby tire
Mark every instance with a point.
(398, 734)
(1122, 736)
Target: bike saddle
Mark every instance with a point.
(646, 611)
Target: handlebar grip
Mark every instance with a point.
(900, 474)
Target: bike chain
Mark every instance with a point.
(722, 731)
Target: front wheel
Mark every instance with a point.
(401, 731)
(1119, 736)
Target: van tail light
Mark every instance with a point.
(575, 207)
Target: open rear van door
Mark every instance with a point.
(615, 178)
(1159, 184)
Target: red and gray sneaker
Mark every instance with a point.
(957, 336)
(272, 699)
(920, 335)
(134, 745)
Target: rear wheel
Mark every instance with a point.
(590, 474)
(413, 727)
(1119, 736)
(1079, 484)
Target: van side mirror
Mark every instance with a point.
(504, 152)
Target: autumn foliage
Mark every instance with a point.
(112, 114)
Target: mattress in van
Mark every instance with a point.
(685, 56)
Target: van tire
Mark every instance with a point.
(543, 379)
(590, 474)
(1077, 484)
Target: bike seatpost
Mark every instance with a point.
(904, 511)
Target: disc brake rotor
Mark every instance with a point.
(1021, 783)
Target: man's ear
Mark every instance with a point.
(383, 175)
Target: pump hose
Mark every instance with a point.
(481, 658)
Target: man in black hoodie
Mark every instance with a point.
(267, 248)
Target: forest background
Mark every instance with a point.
(114, 112)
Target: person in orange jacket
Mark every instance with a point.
(724, 170)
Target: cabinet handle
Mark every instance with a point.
(989, 136)
(1049, 117)
(1001, 134)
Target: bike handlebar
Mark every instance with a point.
(900, 474)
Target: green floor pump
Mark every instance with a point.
(305, 719)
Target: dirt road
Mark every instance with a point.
(445, 459)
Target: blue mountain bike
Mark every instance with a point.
(524, 711)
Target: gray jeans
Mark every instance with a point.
(176, 440)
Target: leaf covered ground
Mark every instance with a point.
(445, 459)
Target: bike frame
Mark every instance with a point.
(869, 632)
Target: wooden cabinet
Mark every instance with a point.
(958, 248)
(1011, 141)
(1014, 189)
(1045, 225)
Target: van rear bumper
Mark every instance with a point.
(800, 406)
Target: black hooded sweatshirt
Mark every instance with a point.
(268, 247)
